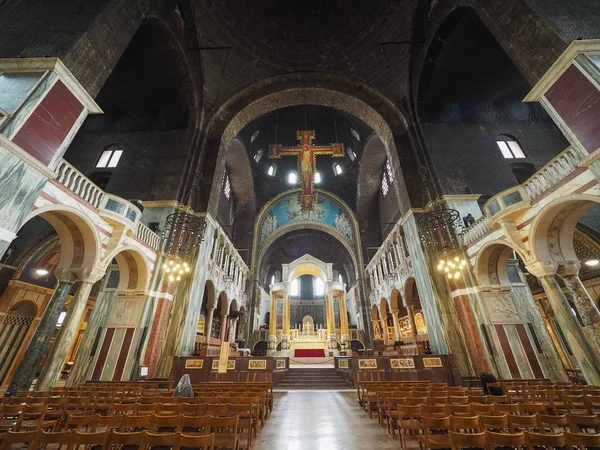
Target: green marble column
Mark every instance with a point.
(82, 366)
(585, 306)
(59, 351)
(28, 366)
(584, 353)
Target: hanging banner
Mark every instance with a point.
(223, 357)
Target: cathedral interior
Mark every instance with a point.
(281, 218)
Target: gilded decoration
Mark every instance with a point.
(367, 364)
(432, 362)
(280, 364)
(402, 363)
(343, 364)
(257, 364)
(194, 363)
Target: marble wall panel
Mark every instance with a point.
(123, 354)
(529, 351)
(577, 101)
(103, 353)
(518, 351)
(112, 355)
(46, 129)
(507, 350)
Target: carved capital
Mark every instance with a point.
(542, 268)
(65, 275)
(569, 268)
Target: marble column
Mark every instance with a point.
(210, 312)
(410, 311)
(272, 337)
(584, 353)
(82, 366)
(396, 324)
(588, 311)
(285, 325)
(233, 330)
(38, 345)
(68, 330)
(224, 324)
(345, 331)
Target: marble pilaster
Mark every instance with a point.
(396, 324)
(584, 353)
(210, 313)
(83, 364)
(38, 345)
(68, 330)
(224, 324)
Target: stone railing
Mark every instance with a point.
(119, 208)
(475, 231)
(148, 236)
(75, 181)
(561, 166)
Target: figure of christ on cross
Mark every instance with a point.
(306, 152)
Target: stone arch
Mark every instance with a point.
(233, 306)
(552, 231)
(288, 90)
(410, 287)
(79, 238)
(396, 302)
(375, 313)
(210, 290)
(491, 263)
(134, 268)
(222, 302)
(25, 308)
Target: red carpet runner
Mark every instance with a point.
(309, 353)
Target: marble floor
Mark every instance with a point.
(321, 420)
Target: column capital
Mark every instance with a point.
(569, 268)
(542, 268)
(84, 275)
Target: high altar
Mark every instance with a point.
(331, 335)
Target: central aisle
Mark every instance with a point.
(321, 420)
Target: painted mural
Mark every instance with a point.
(288, 211)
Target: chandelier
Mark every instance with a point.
(439, 230)
(183, 235)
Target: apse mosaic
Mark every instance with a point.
(288, 211)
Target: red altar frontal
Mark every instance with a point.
(436, 368)
(239, 369)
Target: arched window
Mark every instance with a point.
(272, 279)
(384, 185)
(355, 134)
(110, 157)
(258, 155)
(350, 153)
(272, 170)
(388, 169)
(340, 279)
(293, 177)
(319, 287)
(226, 185)
(337, 168)
(254, 136)
(509, 147)
(387, 178)
(294, 287)
(317, 177)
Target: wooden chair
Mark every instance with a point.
(576, 404)
(392, 415)
(583, 441)
(435, 410)
(409, 421)
(169, 409)
(136, 423)
(194, 425)
(26, 439)
(495, 423)
(246, 422)
(85, 424)
(89, 440)
(593, 403)
(546, 440)
(218, 409)
(480, 408)
(467, 440)
(549, 423)
(225, 430)
(56, 439)
(435, 433)
(507, 408)
(108, 422)
(579, 423)
(460, 410)
(166, 424)
(161, 440)
(126, 440)
(204, 442)
(33, 418)
(533, 408)
(145, 409)
(458, 400)
(517, 423)
(466, 424)
(478, 399)
(506, 440)
(498, 399)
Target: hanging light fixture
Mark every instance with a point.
(184, 233)
(452, 267)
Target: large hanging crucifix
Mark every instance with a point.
(307, 165)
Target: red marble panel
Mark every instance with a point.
(508, 354)
(577, 101)
(108, 337)
(159, 327)
(529, 351)
(471, 334)
(123, 354)
(46, 129)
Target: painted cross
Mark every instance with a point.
(307, 166)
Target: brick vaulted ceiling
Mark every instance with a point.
(273, 37)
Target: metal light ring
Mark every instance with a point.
(438, 218)
(185, 222)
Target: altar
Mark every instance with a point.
(308, 340)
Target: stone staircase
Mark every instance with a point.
(312, 378)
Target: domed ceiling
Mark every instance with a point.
(330, 125)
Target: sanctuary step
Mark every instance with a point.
(312, 378)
